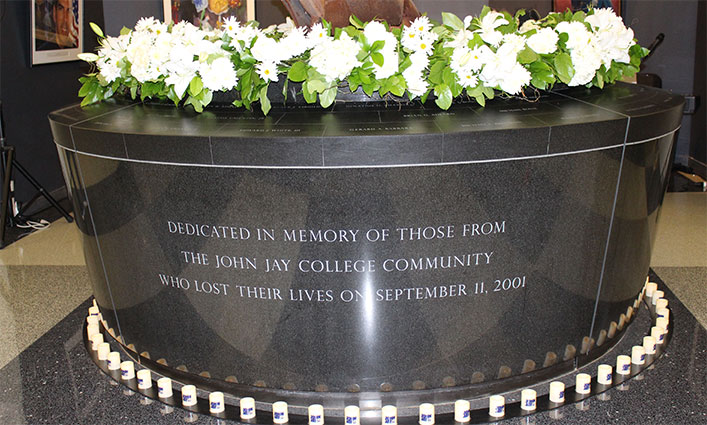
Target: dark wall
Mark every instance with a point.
(698, 142)
(674, 60)
(29, 93)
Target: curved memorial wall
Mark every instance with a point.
(372, 249)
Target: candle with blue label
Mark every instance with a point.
(164, 388)
(247, 408)
(144, 379)
(604, 374)
(389, 415)
(279, 412)
(497, 406)
(352, 415)
(638, 355)
(462, 411)
(316, 414)
(189, 396)
(127, 370)
(427, 414)
(623, 365)
(583, 383)
(114, 360)
(216, 403)
(557, 392)
(528, 400)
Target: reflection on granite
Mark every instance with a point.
(54, 381)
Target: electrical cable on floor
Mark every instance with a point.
(36, 225)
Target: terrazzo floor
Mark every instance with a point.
(49, 265)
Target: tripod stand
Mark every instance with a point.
(8, 163)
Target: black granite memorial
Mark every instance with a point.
(371, 249)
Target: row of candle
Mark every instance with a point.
(389, 416)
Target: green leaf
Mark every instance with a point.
(377, 45)
(309, 96)
(452, 21)
(352, 32)
(377, 58)
(195, 86)
(298, 72)
(424, 97)
(133, 92)
(87, 87)
(448, 76)
(264, 101)
(527, 55)
(326, 98)
(316, 85)
(579, 16)
(370, 88)
(96, 29)
(481, 100)
(563, 67)
(353, 20)
(125, 31)
(436, 72)
(444, 96)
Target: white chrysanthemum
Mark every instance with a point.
(409, 38)
(219, 75)
(612, 38)
(375, 31)
(488, 25)
(266, 49)
(267, 71)
(414, 75)
(335, 59)
(466, 60)
(230, 26)
(579, 36)
(109, 71)
(467, 79)
(145, 24)
(318, 34)
(544, 41)
(585, 62)
(245, 35)
(512, 44)
(503, 70)
(421, 25)
(529, 25)
(295, 43)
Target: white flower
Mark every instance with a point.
(231, 25)
(145, 24)
(512, 44)
(219, 75)
(287, 26)
(488, 26)
(466, 60)
(421, 25)
(585, 62)
(375, 31)
(462, 38)
(579, 36)
(267, 71)
(544, 41)
(467, 79)
(528, 25)
(109, 71)
(266, 49)
(295, 43)
(245, 34)
(318, 34)
(414, 75)
(335, 59)
(612, 38)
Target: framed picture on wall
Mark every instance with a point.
(210, 12)
(57, 30)
(575, 5)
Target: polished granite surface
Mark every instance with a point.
(54, 381)
(49, 379)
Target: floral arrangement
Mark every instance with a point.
(474, 56)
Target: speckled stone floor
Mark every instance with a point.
(47, 377)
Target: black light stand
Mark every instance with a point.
(8, 162)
